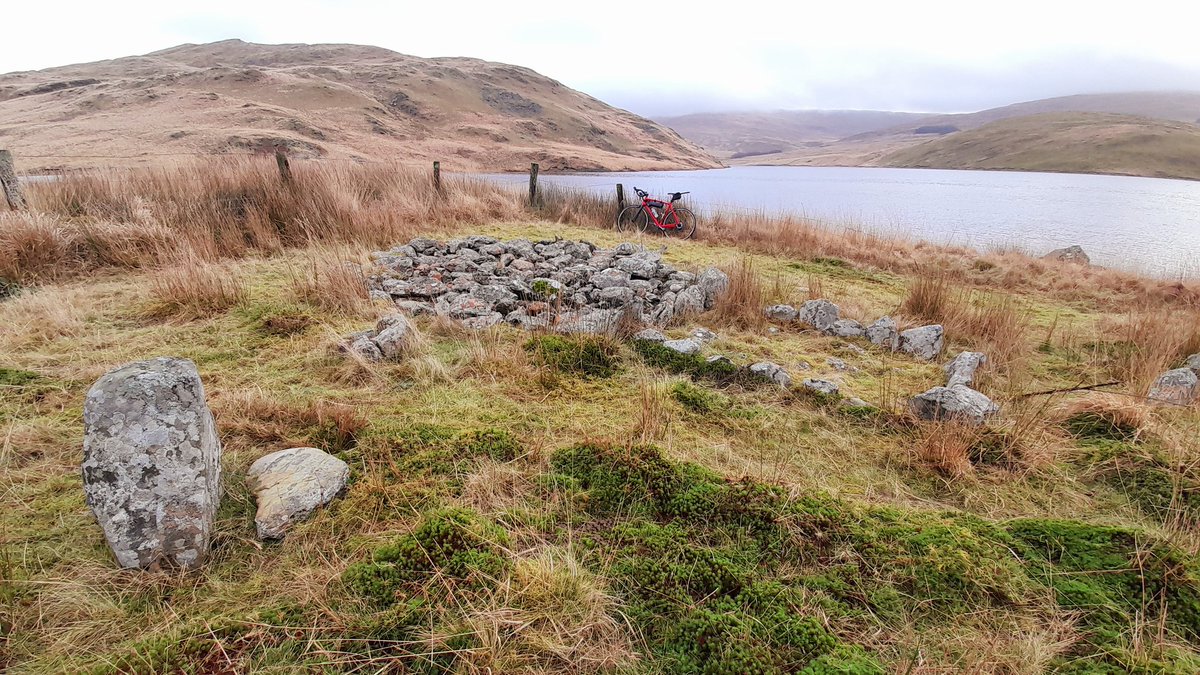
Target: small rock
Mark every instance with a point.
(684, 346)
(393, 336)
(1179, 386)
(152, 463)
(924, 342)
(704, 335)
(773, 330)
(959, 402)
(615, 296)
(824, 387)
(820, 314)
(609, 278)
(362, 345)
(855, 402)
(290, 484)
(883, 333)
(414, 308)
(961, 369)
(718, 358)
(784, 313)
(773, 372)
(483, 321)
(846, 328)
(650, 335)
(640, 266)
(1193, 363)
(1070, 254)
(838, 364)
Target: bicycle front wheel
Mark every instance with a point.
(685, 225)
(633, 218)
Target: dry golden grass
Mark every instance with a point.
(946, 448)
(1126, 416)
(654, 417)
(329, 278)
(741, 306)
(1152, 341)
(996, 324)
(191, 290)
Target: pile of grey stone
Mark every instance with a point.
(559, 284)
(1180, 386)
(152, 468)
(924, 342)
(956, 400)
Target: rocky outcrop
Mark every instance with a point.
(959, 403)
(1180, 386)
(290, 484)
(961, 369)
(482, 281)
(152, 463)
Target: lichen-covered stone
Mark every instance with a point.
(1180, 386)
(784, 313)
(924, 342)
(959, 402)
(823, 387)
(290, 484)
(883, 333)
(152, 463)
(820, 314)
(773, 372)
(961, 369)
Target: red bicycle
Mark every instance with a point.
(656, 214)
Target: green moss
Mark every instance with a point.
(1146, 478)
(451, 543)
(498, 444)
(14, 377)
(1098, 425)
(1110, 575)
(698, 399)
(693, 365)
(589, 356)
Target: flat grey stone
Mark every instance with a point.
(824, 387)
(924, 342)
(290, 484)
(847, 328)
(152, 463)
(684, 346)
(959, 402)
(784, 313)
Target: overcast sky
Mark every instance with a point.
(670, 57)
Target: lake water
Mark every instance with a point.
(1150, 225)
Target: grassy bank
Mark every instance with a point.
(513, 512)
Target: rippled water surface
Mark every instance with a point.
(1147, 224)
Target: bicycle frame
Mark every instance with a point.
(668, 214)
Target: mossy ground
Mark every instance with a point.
(719, 525)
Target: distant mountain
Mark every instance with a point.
(334, 101)
(1115, 146)
(1066, 142)
(752, 135)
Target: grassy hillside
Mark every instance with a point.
(755, 135)
(1069, 142)
(333, 101)
(614, 510)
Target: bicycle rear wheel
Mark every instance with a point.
(685, 225)
(633, 218)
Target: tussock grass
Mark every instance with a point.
(191, 290)
(742, 304)
(1152, 341)
(996, 324)
(333, 280)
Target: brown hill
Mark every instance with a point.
(753, 135)
(1066, 142)
(331, 101)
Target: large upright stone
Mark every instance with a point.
(712, 283)
(152, 463)
(883, 333)
(924, 342)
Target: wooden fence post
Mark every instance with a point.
(533, 174)
(285, 169)
(10, 183)
(620, 198)
(437, 176)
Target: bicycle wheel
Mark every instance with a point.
(685, 225)
(633, 218)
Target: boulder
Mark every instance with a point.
(615, 296)
(784, 313)
(1071, 254)
(689, 302)
(650, 335)
(924, 342)
(713, 283)
(640, 265)
(290, 484)
(152, 463)
(846, 328)
(959, 402)
(684, 346)
(823, 387)
(394, 336)
(1193, 363)
(1180, 386)
(773, 372)
(362, 345)
(883, 333)
(961, 369)
(820, 314)
(483, 321)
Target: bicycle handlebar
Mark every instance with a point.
(675, 196)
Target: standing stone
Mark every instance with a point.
(290, 484)
(1176, 386)
(961, 369)
(152, 463)
(883, 333)
(924, 342)
(820, 314)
